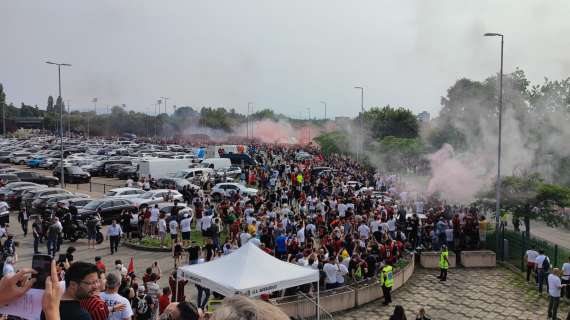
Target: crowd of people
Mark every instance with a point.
(347, 221)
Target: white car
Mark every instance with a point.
(228, 188)
(156, 196)
(124, 193)
(20, 157)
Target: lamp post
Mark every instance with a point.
(249, 119)
(325, 103)
(59, 65)
(498, 194)
(309, 124)
(89, 118)
(68, 118)
(164, 99)
(361, 138)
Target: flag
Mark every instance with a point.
(131, 268)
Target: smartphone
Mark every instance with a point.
(41, 263)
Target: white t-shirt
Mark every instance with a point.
(449, 234)
(8, 270)
(566, 271)
(391, 225)
(244, 237)
(342, 271)
(205, 223)
(161, 225)
(539, 260)
(186, 224)
(364, 231)
(375, 225)
(553, 286)
(113, 299)
(531, 255)
(154, 213)
(330, 271)
(341, 209)
(255, 241)
(301, 235)
(173, 225)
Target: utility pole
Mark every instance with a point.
(325, 103)
(164, 99)
(60, 99)
(361, 136)
(69, 118)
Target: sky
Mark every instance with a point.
(284, 55)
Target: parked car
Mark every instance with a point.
(35, 161)
(72, 174)
(33, 194)
(9, 178)
(35, 177)
(124, 193)
(127, 172)
(155, 196)
(42, 203)
(111, 208)
(19, 157)
(49, 163)
(5, 156)
(240, 159)
(14, 197)
(13, 185)
(174, 183)
(228, 188)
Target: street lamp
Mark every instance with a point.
(59, 65)
(361, 138)
(164, 99)
(309, 124)
(325, 103)
(249, 119)
(89, 118)
(498, 194)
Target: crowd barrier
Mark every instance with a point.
(343, 298)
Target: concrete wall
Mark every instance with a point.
(347, 297)
(430, 259)
(477, 259)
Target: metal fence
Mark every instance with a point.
(513, 246)
(93, 187)
(311, 310)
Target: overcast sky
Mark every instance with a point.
(286, 55)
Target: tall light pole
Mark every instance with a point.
(498, 195)
(309, 124)
(156, 119)
(69, 118)
(325, 103)
(361, 135)
(250, 120)
(164, 99)
(59, 65)
(89, 118)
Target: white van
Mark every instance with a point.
(216, 163)
(194, 173)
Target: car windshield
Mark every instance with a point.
(180, 174)
(148, 195)
(93, 205)
(74, 170)
(111, 193)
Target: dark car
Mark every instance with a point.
(113, 169)
(110, 208)
(40, 205)
(14, 197)
(13, 185)
(100, 168)
(127, 172)
(30, 196)
(35, 177)
(72, 174)
(9, 178)
(240, 159)
(5, 156)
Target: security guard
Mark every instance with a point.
(387, 282)
(443, 263)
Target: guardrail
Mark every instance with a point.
(93, 187)
(343, 298)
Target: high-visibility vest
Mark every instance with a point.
(387, 276)
(443, 264)
(212, 305)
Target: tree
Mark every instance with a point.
(401, 154)
(388, 121)
(336, 142)
(49, 107)
(2, 96)
(528, 197)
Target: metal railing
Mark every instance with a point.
(311, 308)
(93, 187)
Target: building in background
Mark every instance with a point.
(423, 116)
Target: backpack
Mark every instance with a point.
(142, 307)
(546, 265)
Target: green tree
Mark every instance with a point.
(336, 142)
(50, 107)
(388, 121)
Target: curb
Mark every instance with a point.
(145, 248)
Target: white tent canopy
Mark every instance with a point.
(248, 271)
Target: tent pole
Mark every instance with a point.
(318, 300)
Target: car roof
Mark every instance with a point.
(124, 189)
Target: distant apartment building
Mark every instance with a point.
(423, 116)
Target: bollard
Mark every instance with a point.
(505, 251)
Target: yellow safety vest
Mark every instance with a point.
(212, 305)
(443, 264)
(387, 277)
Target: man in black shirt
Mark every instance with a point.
(81, 281)
(193, 253)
